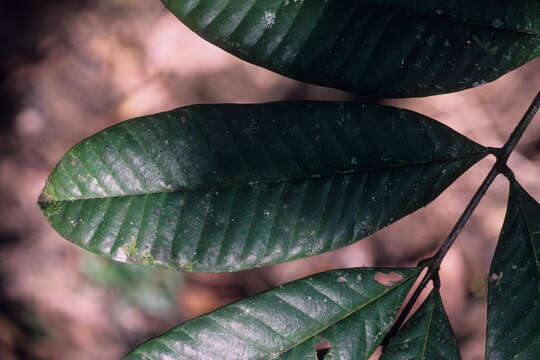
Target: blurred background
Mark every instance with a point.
(71, 68)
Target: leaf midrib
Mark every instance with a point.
(428, 328)
(44, 200)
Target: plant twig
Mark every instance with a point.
(499, 167)
(433, 263)
(407, 308)
(519, 130)
(465, 216)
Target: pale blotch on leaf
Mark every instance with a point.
(388, 279)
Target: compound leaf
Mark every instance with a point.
(349, 310)
(426, 335)
(229, 187)
(385, 48)
(513, 328)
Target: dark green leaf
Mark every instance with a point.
(350, 310)
(426, 335)
(386, 48)
(513, 329)
(230, 187)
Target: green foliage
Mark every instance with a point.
(427, 335)
(513, 329)
(231, 187)
(385, 48)
(361, 302)
(227, 187)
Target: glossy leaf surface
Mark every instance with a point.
(513, 329)
(385, 48)
(230, 187)
(426, 335)
(351, 309)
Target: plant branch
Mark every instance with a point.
(499, 167)
(407, 309)
(465, 216)
(433, 263)
(519, 130)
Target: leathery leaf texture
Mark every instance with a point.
(348, 312)
(426, 335)
(385, 48)
(513, 328)
(228, 187)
